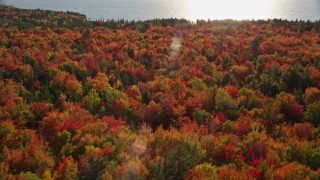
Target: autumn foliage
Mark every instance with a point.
(160, 99)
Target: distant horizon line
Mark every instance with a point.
(165, 18)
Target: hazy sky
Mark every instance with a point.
(189, 9)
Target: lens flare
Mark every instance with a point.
(139, 147)
(175, 47)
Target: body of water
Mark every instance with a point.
(188, 9)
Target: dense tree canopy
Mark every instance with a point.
(159, 99)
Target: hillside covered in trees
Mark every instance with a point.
(159, 99)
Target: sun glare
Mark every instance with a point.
(228, 9)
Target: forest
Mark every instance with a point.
(157, 99)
